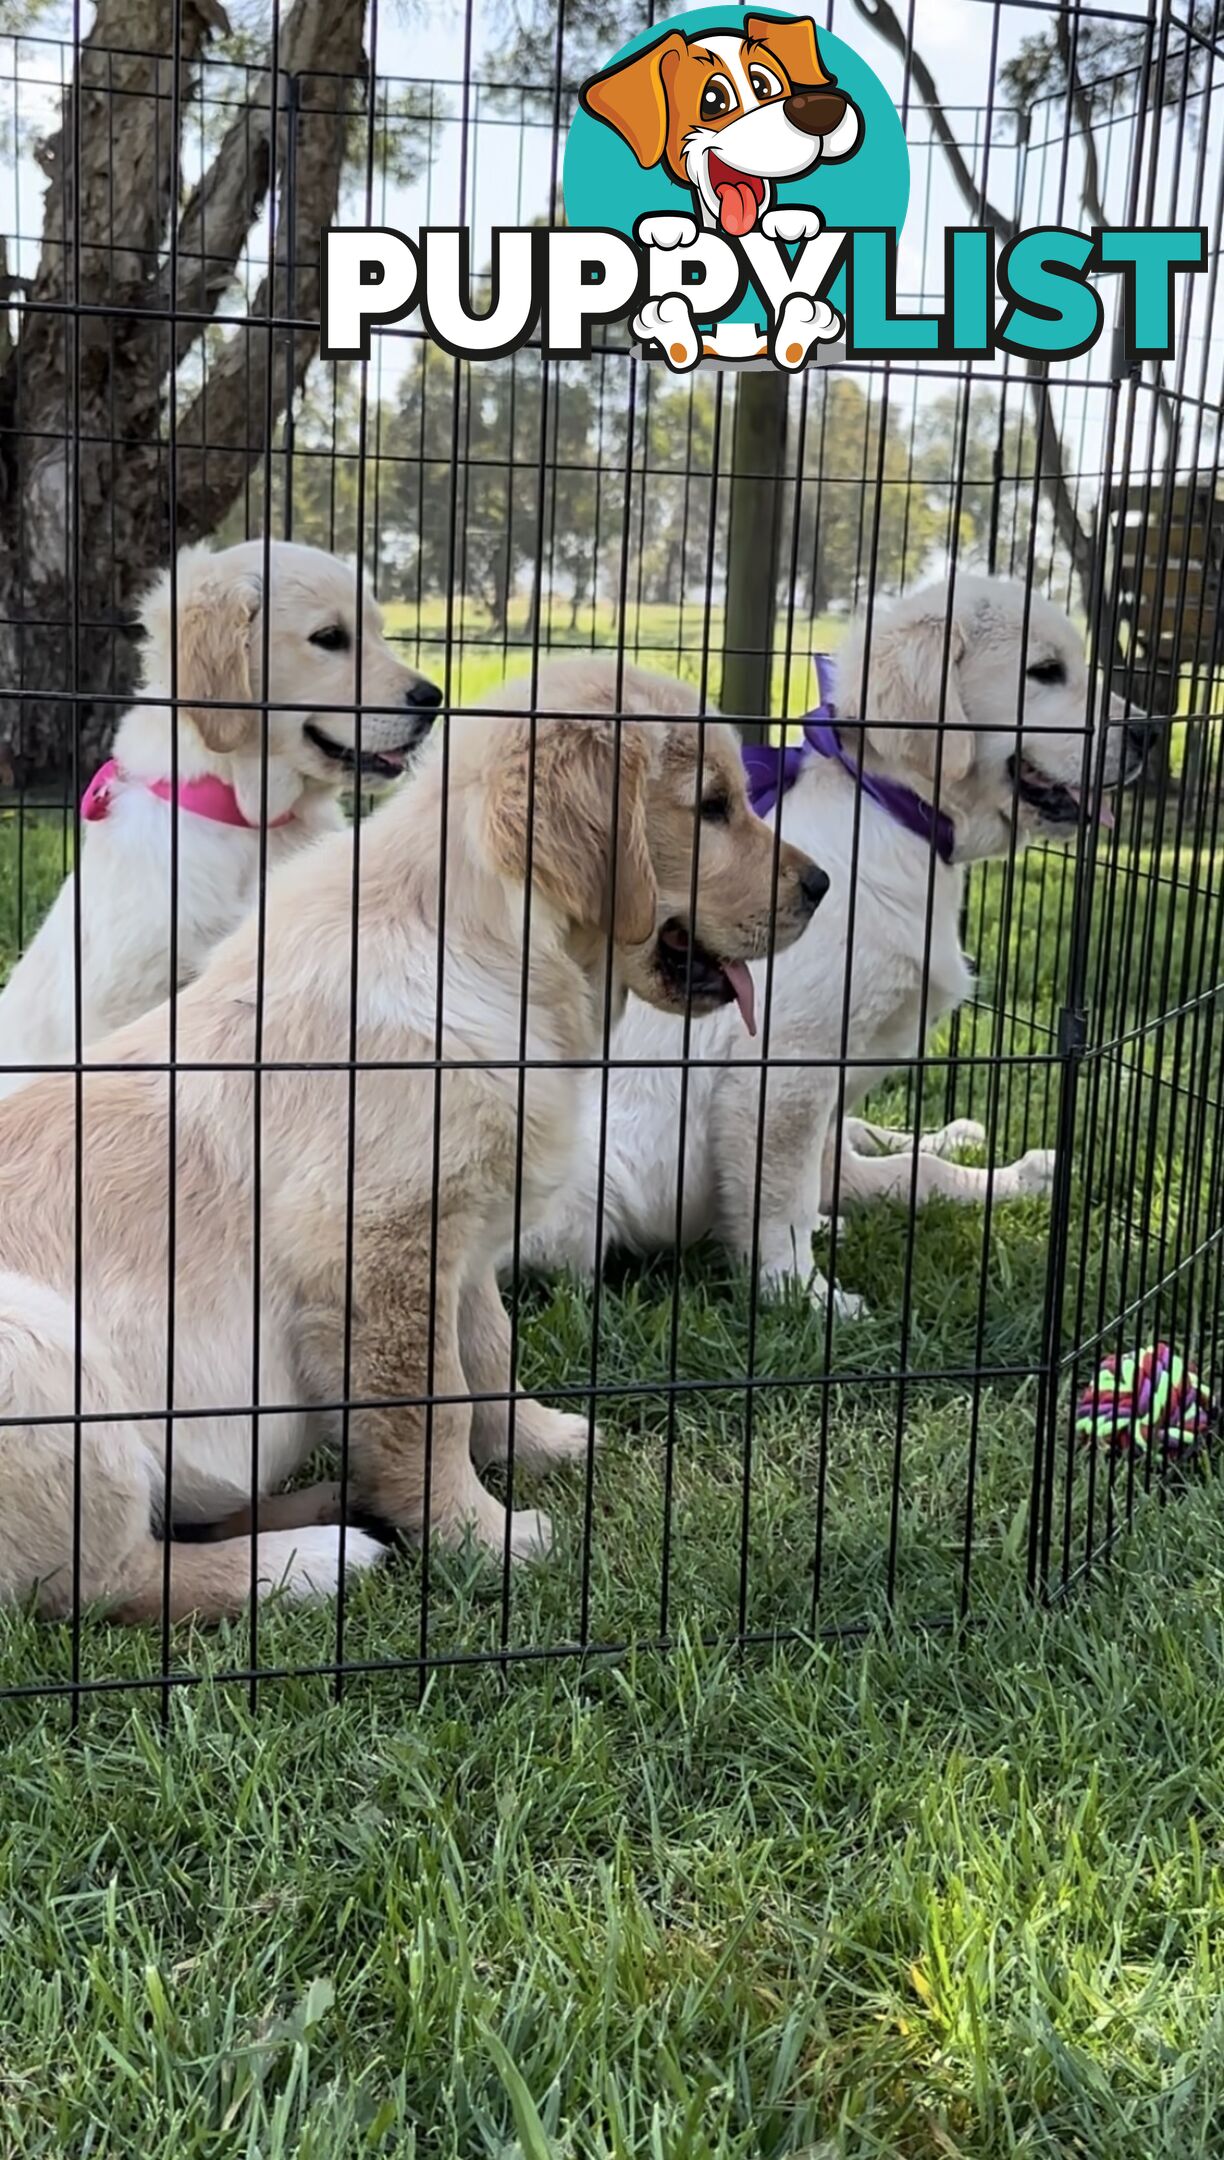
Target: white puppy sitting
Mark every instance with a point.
(139, 842)
(863, 963)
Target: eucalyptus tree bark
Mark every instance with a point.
(126, 291)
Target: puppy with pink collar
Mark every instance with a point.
(178, 822)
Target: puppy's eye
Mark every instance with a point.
(764, 85)
(717, 98)
(334, 638)
(1047, 671)
(716, 808)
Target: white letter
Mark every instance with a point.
(592, 277)
(776, 279)
(671, 268)
(446, 294)
(369, 276)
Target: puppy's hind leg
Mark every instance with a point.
(78, 1524)
(906, 1178)
(542, 1437)
(411, 1458)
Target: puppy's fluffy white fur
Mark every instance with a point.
(126, 864)
(991, 676)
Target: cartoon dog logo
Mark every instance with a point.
(727, 115)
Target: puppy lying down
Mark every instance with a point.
(868, 967)
(436, 1165)
(145, 863)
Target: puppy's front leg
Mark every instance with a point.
(411, 1458)
(797, 1118)
(542, 1437)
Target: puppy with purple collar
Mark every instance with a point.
(965, 741)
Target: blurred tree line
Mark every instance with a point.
(481, 483)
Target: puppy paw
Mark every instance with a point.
(801, 324)
(531, 1535)
(847, 1304)
(1034, 1173)
(557, 1438)
(961, 1133)
(792, 222)
(669, 322)
(779, 1283)
(665, 230)
(305, 1564)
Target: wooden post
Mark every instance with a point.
(758, 467)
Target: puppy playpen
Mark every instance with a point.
(766, 1471)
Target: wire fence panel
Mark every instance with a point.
(800, 1370)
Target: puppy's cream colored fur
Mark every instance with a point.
(143, 866)
(409, 1466)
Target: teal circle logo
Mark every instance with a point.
(731, 118)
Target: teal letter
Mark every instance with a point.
(873, 327)
(969, 288)
(1147, 261)
(1052, 314)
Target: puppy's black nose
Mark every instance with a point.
(426, 696)
(815, 112)
(813, 884)
(1141, 736)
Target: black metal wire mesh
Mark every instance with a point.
(767, 1469)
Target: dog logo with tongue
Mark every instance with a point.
(732, 110)
(728, 115)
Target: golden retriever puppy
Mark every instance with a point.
(172, 850)
(429, 1131)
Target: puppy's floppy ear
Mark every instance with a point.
(905, 680)
(793, 43)
(215, 615)
(573, 861)
(631, 97)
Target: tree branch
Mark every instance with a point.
(110, 167)
(1081, 105)
(315, 41)
(1051, 470)
(221, 436)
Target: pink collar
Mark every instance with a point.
(207, 797)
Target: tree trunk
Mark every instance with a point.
(758, 467)
(91, 496)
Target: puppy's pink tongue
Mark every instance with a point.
(745, 991)
(1105, 815)
(737, 207)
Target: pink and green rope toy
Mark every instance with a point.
(1146, 1399)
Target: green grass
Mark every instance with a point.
(925, 1892)
(673, 637)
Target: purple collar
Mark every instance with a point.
(772, 769)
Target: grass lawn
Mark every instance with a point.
(672, 637)
(924, 1892)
